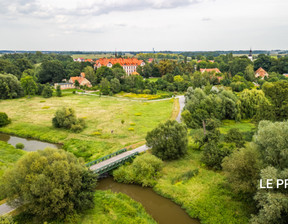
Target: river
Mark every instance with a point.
(29, 144)
(163, 210)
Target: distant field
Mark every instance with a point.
(104, 133)
(91, 56)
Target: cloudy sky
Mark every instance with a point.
(107, 25)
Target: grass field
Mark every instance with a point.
(32, 118)
(8, 156)
(154, 79)
(204, 196)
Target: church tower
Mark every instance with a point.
(250, 56)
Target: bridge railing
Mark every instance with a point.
(111, 166)
(106, 157)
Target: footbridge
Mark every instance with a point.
(114, 160)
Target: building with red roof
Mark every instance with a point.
(214, 70)
(261, 73)
(81, 79)
(128, 64)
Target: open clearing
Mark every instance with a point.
(104, 133)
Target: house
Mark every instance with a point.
(261, 73)
(81, 79)
(64, 85)
(79, 59)
(150, 60)
(128, 64)
(213, 70)
(286, 75)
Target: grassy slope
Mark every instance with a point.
(116, 208)
(206, 195)
(102, 115)
(8, 156)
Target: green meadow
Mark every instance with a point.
(104, 133)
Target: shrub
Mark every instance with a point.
(130, 129)
(4, 120)
(19, 146)
(122, 121)
(185, 176)
(47, 91)
(235, 136)
(144, 170)
(46, 107)
(66, 118)
(169, 140)
(213, 153)
(138, 114)
(58, 91)
(132, 124)
(42, 101)
(96, 133)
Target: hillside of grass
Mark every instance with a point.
(104, 133)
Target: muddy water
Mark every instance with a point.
(163, 210)
(30, 144)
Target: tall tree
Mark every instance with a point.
(29, 85)
(52, 184)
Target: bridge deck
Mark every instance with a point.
(120, 156)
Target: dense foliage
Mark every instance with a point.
(10, 87)
(144, 170)
(168, 141)
(51, 183)
(66, 118)
(4, 120)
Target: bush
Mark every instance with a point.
(4, 120)
(169, 140)
(47, 91)
(185, 176)
(19, 146)
(66, 118)
(144, 170)
(58, 91)
(122, 121)
(130, 129)
(42, 101)
(235, 136)
(138, 114)
(213, 154)
(46, 107)
(97, 133)
(132, 124)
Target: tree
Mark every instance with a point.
(90, 74)
(52, 184)
(239, 64)
(105, 86)
(273, 202)
(104, 72)
(51, 71)
(277, 93)
(4, 120)
(271, 140)
(115, 85)
(76, 83)
(47, 91)
(10, 87)
(58, 91)
(66, 118)
(242, 170)
(250, 101)
(168, 141)
(263, 61)
(29, 85)
(249, 73)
